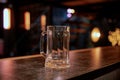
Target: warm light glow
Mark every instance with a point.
(95, 34)
(70, 10)
(43, 21)
(7, 18)
(27, 20)
(114, 37)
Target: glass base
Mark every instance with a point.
(57, 64)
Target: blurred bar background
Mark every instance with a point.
(21, 23)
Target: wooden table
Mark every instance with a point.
(86, 64)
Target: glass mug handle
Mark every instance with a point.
(43, 38)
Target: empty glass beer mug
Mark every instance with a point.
(57, 49)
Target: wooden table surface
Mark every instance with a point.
(85, 64)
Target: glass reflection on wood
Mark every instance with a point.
(7, 67)
(96, 54)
